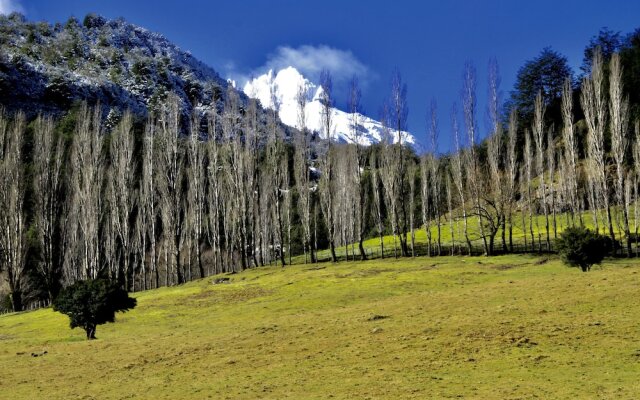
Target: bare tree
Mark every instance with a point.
(434, 162)
(469, 108)
(411, 172)
(457, 168)
(493, 204)
(619, 120)
(389, 172)
(528, 165)
(288, 199)
(538, 129)
(149, 204)
(524, 202)
(138, 244)
(636, 175)
(301, 165)
(399, 111)
(196, 190)
(595, 110)
(425, 176)
(551, 169)
(278, 172)
(86, 203)
(344, 201)
(378, 199)
(170, 169)
(629, 198)
(570, 151)
(108, 233)
(592, 192)
(214, 190)
(327, 186)
(511, 169)
(359, 186)
(267, 217)
(47, 171)
(235, 201)
(13, 231)
(252, 180)
(491, 208)
(122, 195)
(450, 212)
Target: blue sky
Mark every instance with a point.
(428, 41)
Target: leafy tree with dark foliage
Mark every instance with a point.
(631, 73)
(91, 303)
(608, 41)
(581, 247)
(546, 74)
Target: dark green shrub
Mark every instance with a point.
(5, 303)
(58, 90)
(634, 237)
(581, 247)
(92, 20)
(91, 303)
(72, 24)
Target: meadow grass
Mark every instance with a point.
(510, 327)
(520, 234)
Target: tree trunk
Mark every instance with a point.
(91, 331)
(439, 235)
(492, 236)
(199, 257)
(16, 301)
(610, 222)
(504, 235)
(333, 251)
(363, 254)
(178, 264)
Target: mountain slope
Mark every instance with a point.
(45, 68)
(284, 85)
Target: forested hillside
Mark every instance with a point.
(46, 68)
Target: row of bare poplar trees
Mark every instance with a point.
(176, 200)
(140, 207)
(518, 178)
(495, 183)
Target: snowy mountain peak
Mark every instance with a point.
(318, 95)
(279, 90)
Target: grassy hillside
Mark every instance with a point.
(372, 245)
(504, 327)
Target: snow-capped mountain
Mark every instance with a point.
(284, 85)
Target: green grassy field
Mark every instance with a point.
(513, 327)
(372, 245)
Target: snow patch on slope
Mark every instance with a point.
(279, 91)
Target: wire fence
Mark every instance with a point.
(460, 249)
(430, 251)
(30, 306)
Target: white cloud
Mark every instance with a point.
(310, 61)
(9, 6)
